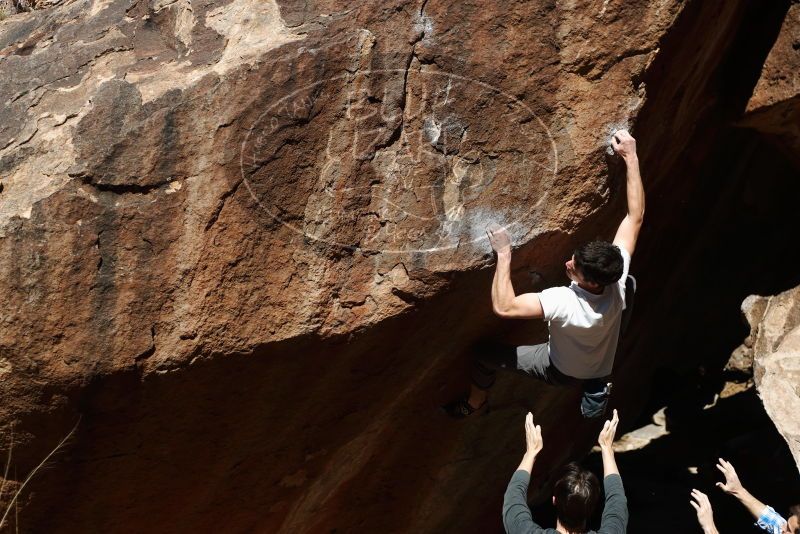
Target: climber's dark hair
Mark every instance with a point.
(576, 493)
(599, 262)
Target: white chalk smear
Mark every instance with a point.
(610, 130)
(424, 25)
(478, 221)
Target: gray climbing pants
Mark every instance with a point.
(528, 360)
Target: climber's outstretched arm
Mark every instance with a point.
(628, 231)
(504, 302)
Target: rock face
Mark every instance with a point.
(242, 242)
(773, 347)
(774, 344)
(774, 107)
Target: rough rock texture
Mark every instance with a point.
(774, 107)
(774, 345)
(243, 241)
(772, 349)
(753, 308)
(12, 7)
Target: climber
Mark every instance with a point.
(766, 517)
(584, 319)
(575, 494)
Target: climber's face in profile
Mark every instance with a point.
(570, 265)
(572, 272)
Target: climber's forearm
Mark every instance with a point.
(634, 189)
(502, 290)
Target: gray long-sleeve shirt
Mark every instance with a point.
(517, 517)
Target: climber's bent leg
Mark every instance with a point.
(529, 360)
(487, 358)
(534, 361)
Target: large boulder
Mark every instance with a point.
(774, 343)
(773, 346)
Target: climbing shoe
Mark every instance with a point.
(460, 408)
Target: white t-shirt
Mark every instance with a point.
(584, 327)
